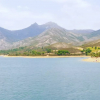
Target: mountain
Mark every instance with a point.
(95, 43)
(44, 35)
(51, 36)
(55, 35)
(93, 38)
(33, 30)
(95, 34)
(83, 32)
(9, 38)
(60, 45)
(6, 34)
(30, 31)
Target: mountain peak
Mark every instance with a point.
(35, 24)
(51, 23)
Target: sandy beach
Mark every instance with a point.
(89, 59)
(42, 56)
(92, 59)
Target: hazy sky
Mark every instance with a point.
(70, 14)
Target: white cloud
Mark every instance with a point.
(71, 2)
(80, 14)
(71, 14)
(23, 7)
(13, 19)
(3, 9)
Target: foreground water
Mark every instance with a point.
(49, 79)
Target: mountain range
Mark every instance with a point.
(45, 35)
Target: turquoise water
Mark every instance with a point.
(49, 79)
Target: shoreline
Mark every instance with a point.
(88, 58)
(43, 56)
(92, 59)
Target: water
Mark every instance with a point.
(49, 79)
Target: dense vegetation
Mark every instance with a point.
(26, 51)
(95, 54)
(22, 51)
(63, 52)
(16, 52)
(92, 51)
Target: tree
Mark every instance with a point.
(63, 52)
(95, 47)
(92, 54)
(43, 53)
(88, 51)
(82, 51)
(48, 50)
(34, 52)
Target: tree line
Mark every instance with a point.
(28, 52)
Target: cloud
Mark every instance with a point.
(15, 19)
(75, 7)
(3, 9)
(80, 15)
(23, 7)
(71, 14)
(71, 2)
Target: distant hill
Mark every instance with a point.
(60, 45)
(94, 34)
(95, 43)
(55, 35)
(83, 32)
(31, 31)
(51, 36)
(45, 35)
(8, 38)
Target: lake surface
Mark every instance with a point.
(49, 79)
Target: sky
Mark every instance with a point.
(70, 14)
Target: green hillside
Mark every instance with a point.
(43, 51)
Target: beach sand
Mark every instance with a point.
(88, 59)
(92, 59)
(42, 56)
